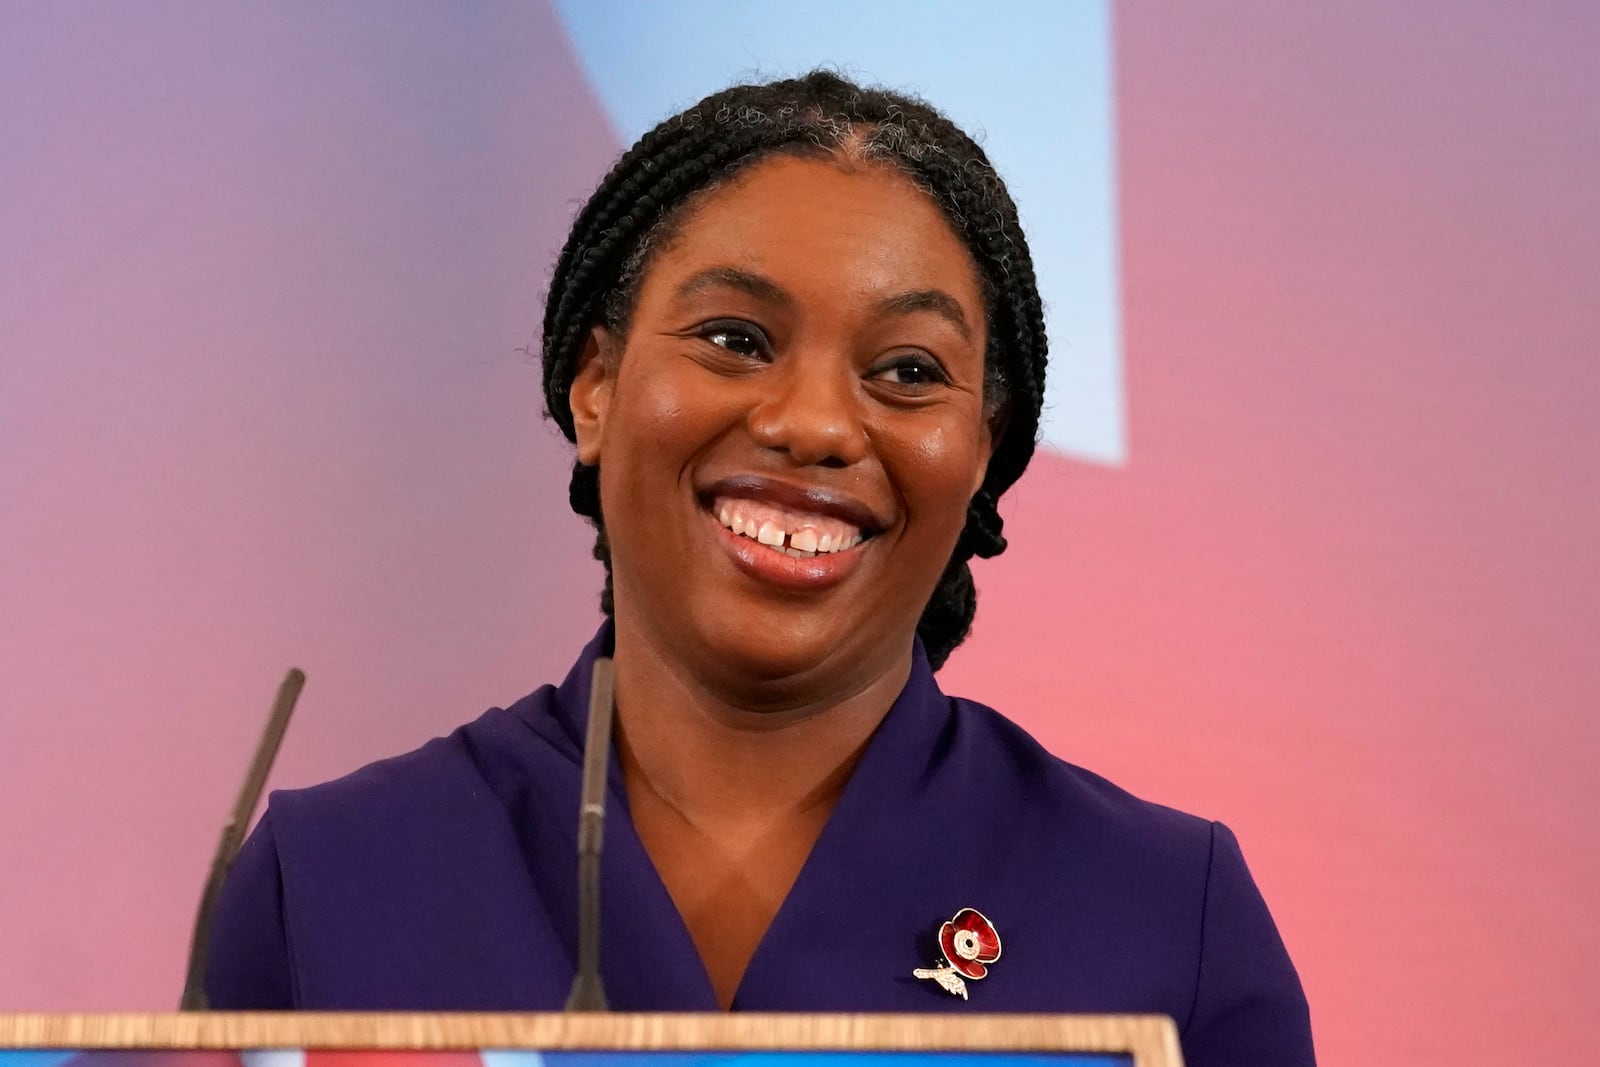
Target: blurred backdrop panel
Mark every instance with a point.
(1309, 547)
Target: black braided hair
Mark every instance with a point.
(651, 188)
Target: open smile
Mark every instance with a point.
(797, 534)
(797, 538)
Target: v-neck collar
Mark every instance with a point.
(648, 959)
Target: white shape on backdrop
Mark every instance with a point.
(512, 1058)
(273, 1057)
(1032, 79)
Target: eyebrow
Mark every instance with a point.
(936, 301)
(734, 278)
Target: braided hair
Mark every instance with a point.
(655, 185)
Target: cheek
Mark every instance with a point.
(648, 409)
(938, 469)
(660, 418)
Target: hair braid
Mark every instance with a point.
(647, 191)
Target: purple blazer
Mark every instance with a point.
(446, 880)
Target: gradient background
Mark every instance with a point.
(1312, 549)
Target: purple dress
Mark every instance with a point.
(446, 880)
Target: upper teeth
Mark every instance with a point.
(793, 533)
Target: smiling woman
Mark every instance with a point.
(795, 339)
(797, 358)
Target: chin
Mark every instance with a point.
(778, 650)
(772, 649)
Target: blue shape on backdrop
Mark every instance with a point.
(1032, 78)
(34, 1058)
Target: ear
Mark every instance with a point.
(994, 427)
(590, 393)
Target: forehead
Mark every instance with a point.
(825, 228)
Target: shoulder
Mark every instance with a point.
(1162, 899)
(1100, 856)
(1051, 793)
(464, 775)
(441, 822)
(415, 868)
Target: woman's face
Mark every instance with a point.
(790, 433)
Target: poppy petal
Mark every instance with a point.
(978, 924)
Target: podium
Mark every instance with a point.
(590, 1039)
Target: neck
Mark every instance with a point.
(721, 753)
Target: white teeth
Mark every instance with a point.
(804, 543)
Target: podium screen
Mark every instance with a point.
(554, 1058)
(585, 1039)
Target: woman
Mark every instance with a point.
(796, 340)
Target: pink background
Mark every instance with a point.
(264, 273)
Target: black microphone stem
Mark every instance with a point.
(194, 986)
(588, 991)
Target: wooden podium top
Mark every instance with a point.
(1147, 1040)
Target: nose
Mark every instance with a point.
(810, 409)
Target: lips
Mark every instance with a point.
(804, 499)
(800, 537)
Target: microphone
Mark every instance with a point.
(588, 991)
(194, 986)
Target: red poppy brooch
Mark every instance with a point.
(969, 943)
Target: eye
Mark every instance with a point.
(740, 338)
(912, 371)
